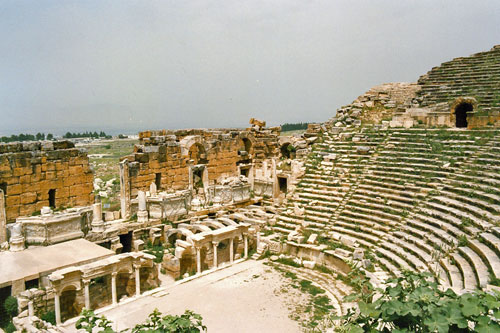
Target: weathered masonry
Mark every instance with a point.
(460, 93)
(195, 158)
(38, 174)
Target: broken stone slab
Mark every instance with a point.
(312, 239)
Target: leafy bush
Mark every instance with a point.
(414, 303)
(89, 321)
(10, 328)
(189, 322)
(10, 306)
(49, 317)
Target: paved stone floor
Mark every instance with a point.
(241, 298)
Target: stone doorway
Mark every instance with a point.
(69, 306)
(4, 293)
(461, 114)
(126, 241)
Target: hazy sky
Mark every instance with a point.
(131, 65)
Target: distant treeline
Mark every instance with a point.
(27, 137)
(94, 135)
(293, 127)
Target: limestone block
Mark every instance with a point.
(138, 245)
(358, 254)
(312, 239)
(309, 264)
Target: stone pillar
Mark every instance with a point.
(57, 306)
(137, 280)
(245, 238)
(198, 260)
(31, 309)
(215, 244)
(16, 240)
(276, 187)
(251, 176)
(86, 292)
(142, 213)
(231, 250)
(153, 189)
(97, 222)
(3, 219)
(124, 189)
(113, 287)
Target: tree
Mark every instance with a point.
(414, 303)
(50, 136)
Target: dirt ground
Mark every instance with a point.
(247, 297)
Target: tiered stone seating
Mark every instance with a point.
(422, 199)
(331, 171)
(477, 75)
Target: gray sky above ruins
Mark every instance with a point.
(123, 66)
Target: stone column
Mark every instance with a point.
(3, 219)
(113, 287)
(198, 260)
(97, 222)
(31, 309)
(57, 306)
(142, 213)
(124, 189)
(276, 187)
(231, 252)
(215, 244)
(16, 237)
(245, 238)
(137, 280)
(86, 292)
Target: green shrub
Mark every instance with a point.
(10, 328)
(10, 306)
(414, 303)
(49, 317)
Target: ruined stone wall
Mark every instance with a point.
(29, 170)
(170, 154)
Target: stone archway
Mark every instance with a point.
(69, 306)
(461, 110)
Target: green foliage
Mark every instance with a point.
(414, 303)
(49, 317)
(156, 250)
(293, 127)
(10, 306)
(86, 134)
(189, 322)
(10, 328)
(89, 321)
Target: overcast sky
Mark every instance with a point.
(123, 66)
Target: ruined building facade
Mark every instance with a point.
(38, 174)
(194, 158)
